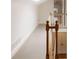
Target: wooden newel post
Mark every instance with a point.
(56, 29)
(47, 41)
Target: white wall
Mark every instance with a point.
(44, 9)
(23, 22)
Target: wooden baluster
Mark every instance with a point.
(47, 36)
(56, 29)
(47, 41)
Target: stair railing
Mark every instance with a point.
(56, 27)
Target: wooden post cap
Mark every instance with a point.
(56, 26)
(47, 25)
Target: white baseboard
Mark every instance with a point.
(18, 46)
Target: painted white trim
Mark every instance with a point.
(18, 46)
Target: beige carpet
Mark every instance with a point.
(34, 47)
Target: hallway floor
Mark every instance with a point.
(34, 47)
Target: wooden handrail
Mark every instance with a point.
(56, 27)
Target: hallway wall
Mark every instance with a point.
(23, 22)
(44, 9)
